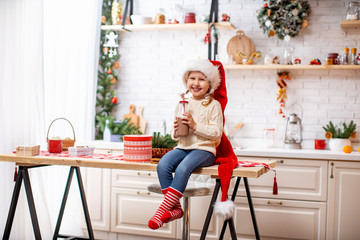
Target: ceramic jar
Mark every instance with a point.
(190, 18)
(338, 144)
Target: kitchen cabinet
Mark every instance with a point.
(119, 203)
(299, 209)
(343, 201)
(317, 199)
(97, 183)
(132, 205)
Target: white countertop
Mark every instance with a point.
(298, 153)
(263, 152)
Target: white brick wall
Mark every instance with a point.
(150, 64)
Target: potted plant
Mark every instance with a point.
(162, 144)
(339, 135)
(116, 129)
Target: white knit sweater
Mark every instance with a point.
(209, 128)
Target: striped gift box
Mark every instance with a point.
(137, 148)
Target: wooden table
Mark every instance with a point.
(27, 162)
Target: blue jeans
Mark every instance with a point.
(183, 163)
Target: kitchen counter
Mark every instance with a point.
(297, 153)
(263, 152)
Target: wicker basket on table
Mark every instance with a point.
(159, 152)
(66, 143)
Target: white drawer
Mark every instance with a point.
(296, 179)
(133, 179)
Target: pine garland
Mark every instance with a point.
(283, 18)
(107, 75)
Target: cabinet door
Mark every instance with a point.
(296, 179)
(344, 196)
(198, 211)
(97, 188)
(281, 219)
(131, 210)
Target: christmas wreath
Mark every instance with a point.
(284, 18)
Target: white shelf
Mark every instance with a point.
(291, 67)
(350, 24)
(162, 27)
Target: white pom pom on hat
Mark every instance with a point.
(207, 68)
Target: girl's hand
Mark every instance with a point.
(189, 120)
(176, 125)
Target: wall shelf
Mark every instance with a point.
(291, 67)
(160, 27)
(350, 24)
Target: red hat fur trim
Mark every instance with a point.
(209, 70)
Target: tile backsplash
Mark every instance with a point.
(151, 61)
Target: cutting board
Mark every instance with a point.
(142, 121)
(240, 47)
(133, 117)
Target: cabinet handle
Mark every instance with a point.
(332, 170)
(274, 202)
(280, 161)
(144, 174)
(142, 193)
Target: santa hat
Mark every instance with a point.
(225, 155)
(202, 65)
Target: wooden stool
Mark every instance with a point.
(190, 191)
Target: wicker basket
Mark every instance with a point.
(66, 143)
(159, 152)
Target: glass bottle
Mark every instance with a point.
(352, 11)
(116, 12)
(353, 56)
(345, 57)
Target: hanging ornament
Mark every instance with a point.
(284, 17)
(109, 71)
(281, 94)
(113, 80)
(105, 50)
(114, 100)
(207, 38)
(116, 65)
(211, 30)
(225, 17)
(111, 40)
(103, 19)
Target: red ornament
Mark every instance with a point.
(266, 5)
(207, 38)
(114, 100)
(225, 17)
(109, 71)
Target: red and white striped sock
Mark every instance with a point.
(173, 214)
(171, 199)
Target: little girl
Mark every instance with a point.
(204, 116)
